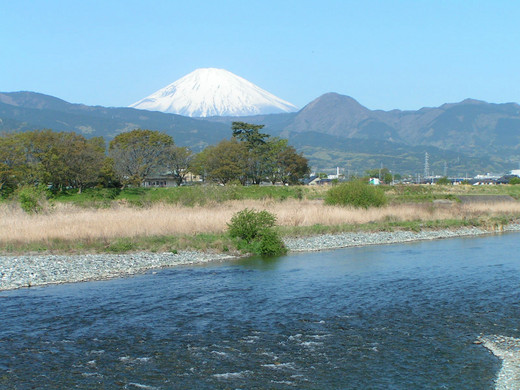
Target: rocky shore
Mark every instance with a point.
(37, 270)
(344, 240)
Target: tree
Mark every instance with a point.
(199, 163)
(12, 163)
(86, 159)
(293, 166)
(273, 171)
(249, 133)
(269, 158)
(61, 159)
(250, 157)
(514, 180)
(107, 175)
(44, 157)
(443, 181)
(283, 163)
(178, 161)
(383, 174)
(323, 175)
(224, 162)
(138, 153)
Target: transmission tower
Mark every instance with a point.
(426, 165)
(445, 169)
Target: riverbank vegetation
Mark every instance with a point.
(162, 220)
(61, 192)
(69, 162)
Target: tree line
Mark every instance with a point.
(67, 160)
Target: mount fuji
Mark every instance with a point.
(214, 92)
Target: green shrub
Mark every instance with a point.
(514, 180)
(298, 193)
(32, 199)
(443, 181)
(122, 245)
(254, 232)
(357, 194)
(270, 244)
(247, 224)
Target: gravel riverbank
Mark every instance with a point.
(344, 240)
(37, 270)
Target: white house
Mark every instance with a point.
(159, 181)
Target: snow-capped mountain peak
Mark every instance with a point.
(214, 92)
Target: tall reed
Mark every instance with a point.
(73, 223)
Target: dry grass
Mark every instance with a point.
(67, 222)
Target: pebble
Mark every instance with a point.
(344, 240)
(36, 270)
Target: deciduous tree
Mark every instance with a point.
(12, 163)
(224, 162)
(293, 165)
(86, 159)
(138, 153)
(177, 162)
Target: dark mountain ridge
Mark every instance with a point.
(332, 130)
(20, 111)
(465, 126)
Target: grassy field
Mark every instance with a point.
(187, 196)
(170, 219)
(428, 193)
(202, 195)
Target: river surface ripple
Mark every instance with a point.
(404, 316)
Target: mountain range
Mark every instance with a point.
(469, 136)
(333, 130)
(20, 111)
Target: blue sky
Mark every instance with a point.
(385, 54)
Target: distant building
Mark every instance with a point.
(487, 177)
(317, 181)
(167, 180)
(515, 172)
(159, 181)
(336, 176)
(374, 181)
(313, 180)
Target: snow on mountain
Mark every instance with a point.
(214, 92)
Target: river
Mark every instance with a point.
(403, 316)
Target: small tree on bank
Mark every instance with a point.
(255, 234)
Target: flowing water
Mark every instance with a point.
(382, 317)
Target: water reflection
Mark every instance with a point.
(260, 263)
